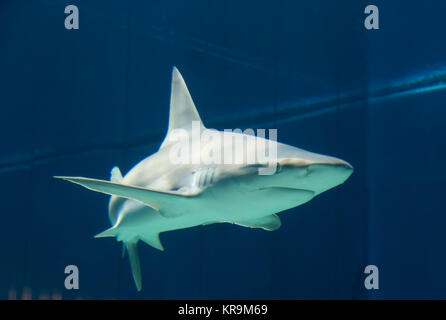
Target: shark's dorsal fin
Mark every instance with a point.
(182, 108)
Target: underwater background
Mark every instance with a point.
(78, 102)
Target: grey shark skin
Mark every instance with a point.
(157, 196)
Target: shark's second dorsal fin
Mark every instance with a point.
(182, 108)
(116, 175)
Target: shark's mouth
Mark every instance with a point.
(285, 188)
(293, 194)
(286, 197)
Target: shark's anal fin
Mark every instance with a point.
(153, 240)
(134, 263)
(269, 223)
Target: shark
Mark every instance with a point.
(159, 194)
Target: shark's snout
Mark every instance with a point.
(316, 173)
(324, 176)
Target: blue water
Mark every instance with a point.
(78, 102)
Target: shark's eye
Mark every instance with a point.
(278, 167)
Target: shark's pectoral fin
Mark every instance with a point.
(169, 204)
(270, 223)
(134, 263)
(153, 240)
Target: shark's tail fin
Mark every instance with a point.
(131, 247)
(134, 263)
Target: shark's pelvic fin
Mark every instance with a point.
(182, 108)
(116, 175)
(155, 199)
(269, 223)
(153, 240)
(111, 232)
(134, 263)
